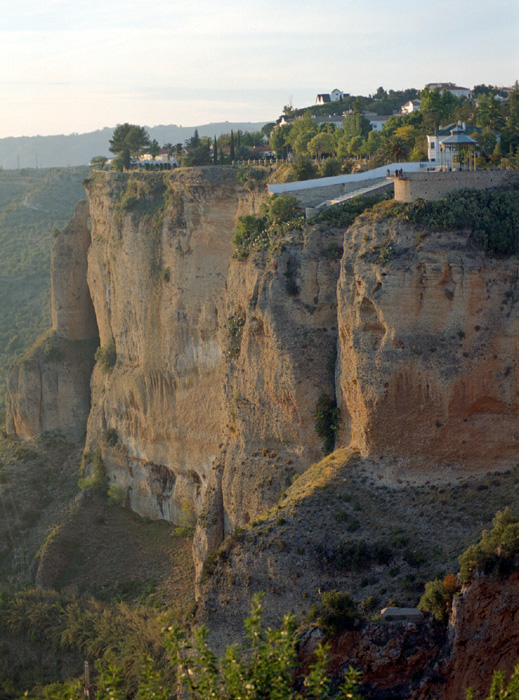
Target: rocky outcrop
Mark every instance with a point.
(210, 368)
(48, 388)
(483, 637)
(428, 341)
(218, 360)
(426, 660)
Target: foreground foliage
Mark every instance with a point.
(500, 689)
(132, 660)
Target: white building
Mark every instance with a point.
(450, 87)
(411, 106)
(377, 121)
(333, 96)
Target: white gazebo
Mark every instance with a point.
(450, 148)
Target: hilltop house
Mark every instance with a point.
(333, 96)
(450, 87)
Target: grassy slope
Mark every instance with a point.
(33, 203)
(357, 525)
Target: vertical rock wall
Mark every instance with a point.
(48, 389)
(428, 345)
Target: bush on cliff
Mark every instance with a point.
(438, 596)
(337, 612)
(496, 549)
(106, 356)
(491, 216)
(327, 417)
(500, 689)
(279, 217)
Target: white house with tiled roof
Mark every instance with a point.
(456, 90)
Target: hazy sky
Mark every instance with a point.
(79, 65)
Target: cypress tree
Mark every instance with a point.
(232, 146)
(215, 154)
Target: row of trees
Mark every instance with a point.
(404, 137)
(130, 141)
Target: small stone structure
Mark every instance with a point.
(434, 185)
(401, 615)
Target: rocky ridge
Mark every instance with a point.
(209, 369)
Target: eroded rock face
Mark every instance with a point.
(219, 362)
(428, 346)
(425, 660)
(49, 387)
(483, 637)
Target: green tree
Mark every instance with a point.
(510, 131)
(303, 130)
(279, 139)
(303, 169)
(128, 141)
(330, 167)
(395, 149)
(437, 107)
(232, 146)
(98, 161)
(490, 113)
(215, 151)
(321, 143)
(154, 149)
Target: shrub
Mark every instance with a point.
(303, 169)
(106, 356)
(337, 612)
(281, 208)
(327, 417)
(116, 495)
(236, 325)
(491, 216)
(330, 167)
(251, 177)
(343, 215)
(434, 600)
(496, 549)
(97, 480)
(250, 234)
(353, 556)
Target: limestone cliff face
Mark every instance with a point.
(49, 387)
(202, 402)
(428, 346)
(209, 407)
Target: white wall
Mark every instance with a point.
(343, 179)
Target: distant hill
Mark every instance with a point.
(78, 149)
